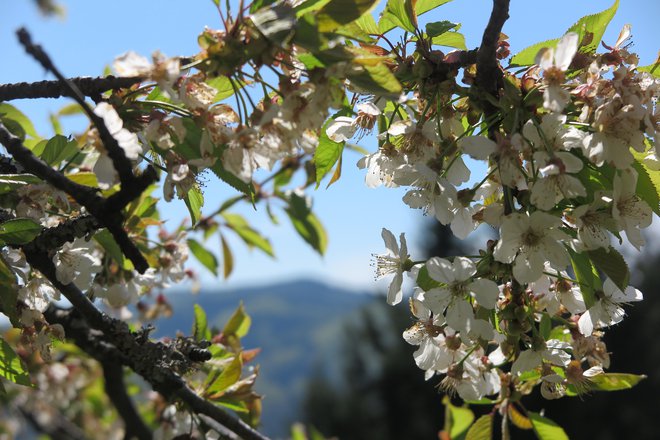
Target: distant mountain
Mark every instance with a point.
(296, 324)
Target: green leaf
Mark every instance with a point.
(368, 24)
(611, 263)
(545, 326)
(11, 367)
(227, 258)
(425, 281)
(587, 276)
(71, 110)
(200, 328)
(239, 323)
(277, 22)
(228, 377)
(336, 13)
(388, 22)
(232, 180)
(112, 249)
(203, 256)
(545, 428)
(194, 201)
(653, 69)
(19, 230)
(457, 418)
(8, 111)
(326, 154)
(250, 236)
(482, 429)
(588, 27)
(58, 149)
(439, 27)
(399, 13)
(8, 293)
(377, 79)
(592, 27)
(12, 182)
(309, 228)
(615, 381)
(450, 39)
(224, 87)
(648, 183)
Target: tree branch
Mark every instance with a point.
(88, 86)
(489, 75)
(110, 340)
(115, 388)
(121, 163)
(107, 214)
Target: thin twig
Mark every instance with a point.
(121, 163)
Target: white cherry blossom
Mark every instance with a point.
(607, 310)
(554, 63)
(528, 241)
(393, 262)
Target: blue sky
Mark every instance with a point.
(94, 32)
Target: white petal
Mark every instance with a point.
(527, 360)
(478, 147)
(585, 323)
(394, 293)
(565, 51)
(485, 291)
(463, 268)
(390, 241)
(441, 270)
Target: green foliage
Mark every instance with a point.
(12, 182)
(204, 256)
(238, 324)
(19, 231)
(336, 13)
(587, 276)
(546, 429)
(219, 380)
(58, 149)
(457, 419)
(200, 328)
(194, 201)
(396, 15)
(11, 367)
(648, 183)
(250, 236)
(590, 30)
(110, 246)
(21, 125)
(328, 152)
(8, 293)
(482, 429)
(615, 381)
(425, 281)
(612, 264)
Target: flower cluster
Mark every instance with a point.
(562, 180)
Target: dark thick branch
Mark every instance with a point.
(110, 340)
(107, 214)
(489, 75)
(88, 86)
(115, 388)
(121, 163)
